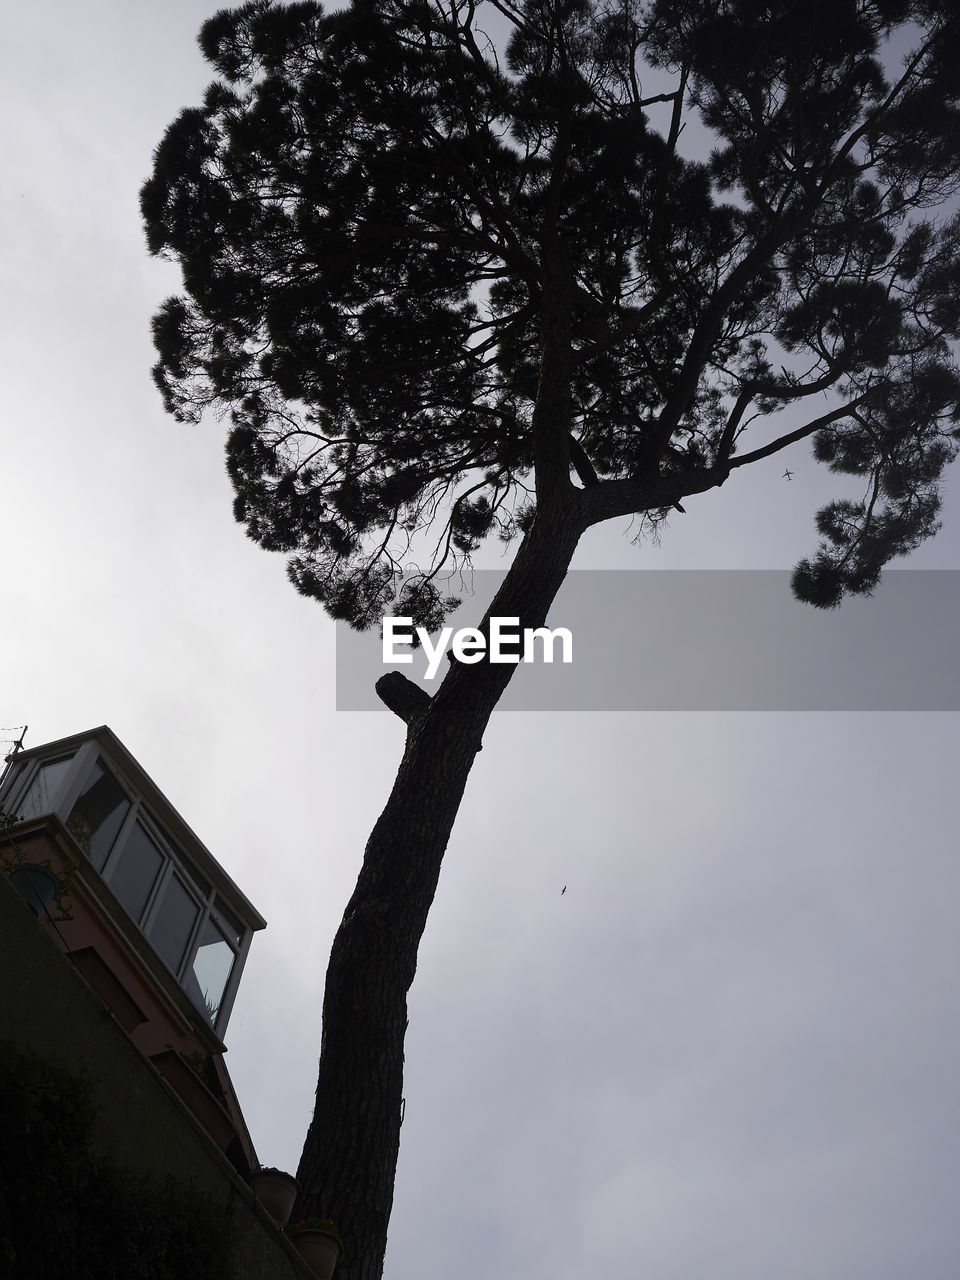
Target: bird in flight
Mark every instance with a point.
(789, 474)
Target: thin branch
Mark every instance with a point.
(775, 390)
(845, 410)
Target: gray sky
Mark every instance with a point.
(729, 1051)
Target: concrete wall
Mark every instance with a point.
(46, 1006)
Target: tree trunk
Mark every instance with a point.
(349, 1158)
(350, 1154)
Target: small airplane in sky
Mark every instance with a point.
(563, 891)
(789, 474)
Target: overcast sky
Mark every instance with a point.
(730, 1051)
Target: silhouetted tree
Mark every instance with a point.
(472, 283)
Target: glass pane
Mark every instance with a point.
(98, 815)
(136, 870)
(190, 876)
(211, 970)
(173, 923)
(43, 789)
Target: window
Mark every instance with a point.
(43, 790)
(135, 872)
(211, 969)
(98, 815)
(173, 924)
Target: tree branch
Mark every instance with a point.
(404, 698)
(776, 390)
(581, 463)
(712, 317)
(793, 436)
(633, 321)
(612, 498)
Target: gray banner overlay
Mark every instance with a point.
(709, 640)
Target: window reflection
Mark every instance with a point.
(98, 815)
(173, 923)
(43, 789)
(136, 871)
(211, 970)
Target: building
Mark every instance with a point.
(123, 953)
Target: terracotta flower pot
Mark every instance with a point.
(319, 1250)
(276, 1191)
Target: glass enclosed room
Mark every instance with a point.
(193, 917)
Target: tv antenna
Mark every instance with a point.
(17, 742)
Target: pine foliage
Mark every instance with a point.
(368, 203)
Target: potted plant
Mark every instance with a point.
(276, 1191)
(319, 1244)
